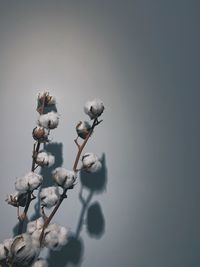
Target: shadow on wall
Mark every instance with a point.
(91, 216)
(55, 149)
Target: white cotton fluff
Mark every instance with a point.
(35, 225)
(49, 196)
(94, 108)
(49, 99)
(45, 159)
(28, 182)
(55, 236)
(49, 120)
(5, 248)
(40, 263)
(63, 177)
(34, 228)
(24, 251)
(83, 128)
(91, 162)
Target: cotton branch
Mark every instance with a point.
(36, 149)
(63, 196)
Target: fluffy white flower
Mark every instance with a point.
(91, 162)
(40, 263)
(49, 120)
(49, 99)
(16, 199)
(94, 108)
(40, 134)
(55, 236)
(35, 225)
(45, 159)
(23, 251)
(83, 128)
(5, 248)
(63, 177)
(49, 196)
(30, 182)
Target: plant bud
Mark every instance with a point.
(17, 199)
(82, 129)
(40, 134)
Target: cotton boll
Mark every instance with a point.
(34, 229)
(23, 251)
(91, 162)
(83, 129)
(17, 199)
(49, 196)
(49, 120)
(94, 108)
(40, 263)
(35, 225)
(63, 177)
(45, 159)
(55, 236)
(40, 134)
(29, 182)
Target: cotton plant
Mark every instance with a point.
(24, 249)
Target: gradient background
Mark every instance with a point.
(142, 59)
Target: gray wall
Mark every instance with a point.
(142, 59)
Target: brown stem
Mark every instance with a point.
(81, 147)
(36, 149)
(63, 196)
(48, 219)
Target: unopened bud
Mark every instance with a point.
(83, 129)
(40, 134)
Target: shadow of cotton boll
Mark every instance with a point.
(56, 149)
(95, 222)
(95, 182)
(72, 252)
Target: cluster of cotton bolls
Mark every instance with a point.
(55, 236)
(20, 249)
(94, 109)
(46, 121)
(24, 249)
